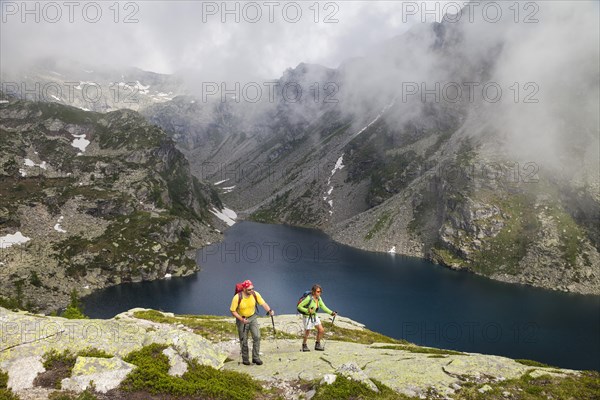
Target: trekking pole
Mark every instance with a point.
(244, 338)
(274, 331)
(272, 322)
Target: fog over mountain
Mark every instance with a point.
(383, 103)
(191, 37)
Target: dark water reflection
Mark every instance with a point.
(398, 296)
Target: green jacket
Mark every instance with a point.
(309, 302)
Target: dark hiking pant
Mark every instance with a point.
(252, 328)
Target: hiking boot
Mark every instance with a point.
(257, 362)
(318, 347)
(246, 362)
(305, 347)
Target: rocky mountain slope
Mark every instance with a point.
(160, 355)
(410, 150)
(89, 200)
(455, 177)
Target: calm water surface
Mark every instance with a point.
(403, 297)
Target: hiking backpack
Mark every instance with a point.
(306, 293)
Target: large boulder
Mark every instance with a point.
(28, 335)
(106, 373)
(22, 372)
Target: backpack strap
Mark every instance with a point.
(309, 301)
(255, 301)
(239, 300)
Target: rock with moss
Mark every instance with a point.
(117, 337)
(173, 357)
(177, 364)
(105, 373)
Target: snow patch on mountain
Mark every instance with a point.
(226, 215)
(10, 240)
(80, 142)
(339, 165)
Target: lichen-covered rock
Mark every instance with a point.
(352, 371)
(405, 369)
(406, 372)
(106, 374)
(22, 371)
(29, 335)
(177, 364)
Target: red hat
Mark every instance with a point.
(247, 283)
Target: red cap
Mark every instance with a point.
(247, 283)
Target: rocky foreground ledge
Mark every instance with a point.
(107, 362)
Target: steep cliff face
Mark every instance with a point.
(89, 200)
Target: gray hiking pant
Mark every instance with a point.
(254, 329)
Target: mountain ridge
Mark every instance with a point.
(101, 198)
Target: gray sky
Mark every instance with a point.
(552, 45)
(169, 36)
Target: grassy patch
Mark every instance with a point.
(211, 327)
(446, 257)
(273, 212)
(532, 363)
(364, 336)
(85, 395)
(426, 350)
(199, 381)
(344, 388)
(584, 387)
(379, 224)
(569, 233)
(505, 251)
(6, 394)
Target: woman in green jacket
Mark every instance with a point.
(308, 308)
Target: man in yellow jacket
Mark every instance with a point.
(243, 308)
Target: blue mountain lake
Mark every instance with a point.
(402, 297)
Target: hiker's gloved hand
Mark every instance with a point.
(245, 321)
(271, 312)
(333, 314)
(311, 310)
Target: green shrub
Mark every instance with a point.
(53, 360)
(6, 394)
(199, 381)
(85, 395)
(35, 280)
(75, 308)
(3, 380)
(344, 388)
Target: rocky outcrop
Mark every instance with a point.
(26, 338)
(102, 198)
(105, 373)
(407, 369)
(427, 176)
